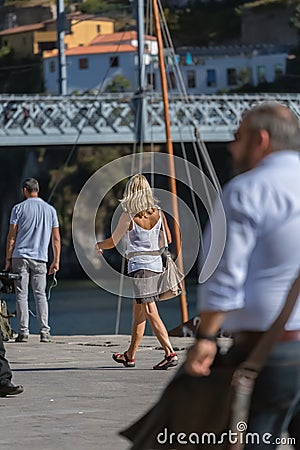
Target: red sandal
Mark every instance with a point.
(122, 358)
(168, 361)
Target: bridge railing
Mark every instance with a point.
(111, 118)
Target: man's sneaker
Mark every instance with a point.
(22, 337)
(45, 337)
(168, 361)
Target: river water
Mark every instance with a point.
(81, 307)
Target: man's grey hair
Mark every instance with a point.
(279, 121)
(31, 184)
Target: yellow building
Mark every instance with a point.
(84, 28)
(29, 40)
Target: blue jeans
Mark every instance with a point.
(35, 272)
(275, 402)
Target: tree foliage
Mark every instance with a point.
(118, 84)
(208, 25)
(20, 75)
(98, 6)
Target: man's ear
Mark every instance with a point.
(264, 140)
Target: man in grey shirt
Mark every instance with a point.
(33, 223)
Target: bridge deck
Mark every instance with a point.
(111, 119)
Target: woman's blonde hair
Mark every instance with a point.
(138, 198)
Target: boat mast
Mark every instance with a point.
(172, 179)
(62, 67)
(141, 72)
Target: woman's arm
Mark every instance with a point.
(116, 236)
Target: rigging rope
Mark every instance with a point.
(185, 97)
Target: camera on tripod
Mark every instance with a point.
(7, 282)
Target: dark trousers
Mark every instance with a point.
(275, 404)
(5, 372)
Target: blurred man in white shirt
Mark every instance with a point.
(260, 261)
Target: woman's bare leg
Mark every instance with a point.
(158, 326)
(138, 329)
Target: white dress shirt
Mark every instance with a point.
(262, 251)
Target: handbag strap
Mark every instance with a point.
(166, 245)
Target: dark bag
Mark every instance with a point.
(196, 407)
(169, 284)
(198, 410)
(7, 332)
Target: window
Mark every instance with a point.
(98, 28)
(191, 79)
(231, 77)
(151, 81)
(278, 71)
(114, 61)
(172, 80)
(83, 63)
(24, 40)
(52, 66)
(5, 43)
(261, 74)
(245, 76)
(211, 78)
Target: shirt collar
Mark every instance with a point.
(278, 157)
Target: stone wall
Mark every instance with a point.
(13, 17)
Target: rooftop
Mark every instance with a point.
(116, 38)
(22, 29)
(221, 50)
(93, 49)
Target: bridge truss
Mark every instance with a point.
(111, 119)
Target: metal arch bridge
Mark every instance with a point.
(111, 119)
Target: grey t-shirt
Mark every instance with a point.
(35, 219)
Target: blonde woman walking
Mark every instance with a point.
(142, 222)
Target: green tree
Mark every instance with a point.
(118, 84)
(295, 8)
(20, 76)
(98, 6)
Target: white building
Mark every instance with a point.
(214, 69)
(93, 67)
(204, 70)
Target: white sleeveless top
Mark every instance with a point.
(141, 240)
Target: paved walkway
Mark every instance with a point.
(76, 397)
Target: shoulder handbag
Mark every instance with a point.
(170, 281)
(195, 412)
